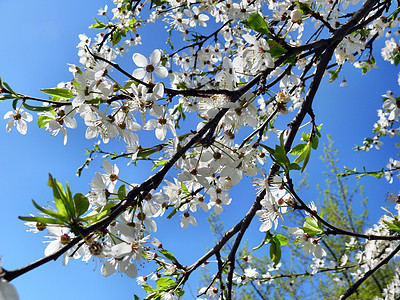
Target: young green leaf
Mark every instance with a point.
(300, 148)
(98, 24)
(283, 240)
(81, 203)
(122, 192)
(165, 284)
(168, 255)
(43, 120)
(36, 108)
(311, 227)
(306, 159)
(333, 74)
(43, 220)
(51, 213)
(314, 142)
(61, 93)
(159, 163)
(257, 23)
(7, 96)
(275, 251)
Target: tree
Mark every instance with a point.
(215, 99)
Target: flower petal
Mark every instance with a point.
(140, 60)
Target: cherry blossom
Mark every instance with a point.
(146, 67)
(18, 118)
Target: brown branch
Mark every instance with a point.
(355, 286)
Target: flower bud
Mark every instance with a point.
(295, 15)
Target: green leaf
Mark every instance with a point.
(275, 49)
(300, 148)
(314, 142)
(283, 240)
(304, 8)
(184, 188)
(10, 89)
(306, 159)
(168, 255)
(393, 226)
(172, 213)
(122, 192)
(7, 96)
(147, 287)
(81, 203)
(360, 176)
(269, 149)
(98, 24)
(43, 220)
(116, 38)
(156, 3)
(333, 74)
(146, 152)
(275, 251)
(51, 213)
(378, 174)
(43, 120)
(102, 212)
(257, 23)
(303, 154)
(304, 137)
(36, 108)
(61, 93)
(311, 226)
(165, 283)
(59, 197)
(159, 163)
(14, 104)
(396, 57)
(294, 166)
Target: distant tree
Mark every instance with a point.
(215, 100)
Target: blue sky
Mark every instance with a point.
(37, 45)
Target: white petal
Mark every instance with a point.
(91, 132)
(139, 73)
(140, 60)
(70, 122)
(151, 225)
(157, 110)
(131, 270)
(27, 116)
(78, 100)
(9, 114)
(158, 90)
(161, 72)
(155, 57)
(107, 166)
(109, 267)
(7, 291)
(21, 126)
(10, 124)
(52, 247)
(161, 132)
(121, 250)
(150, 125)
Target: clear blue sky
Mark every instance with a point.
(39, 38)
